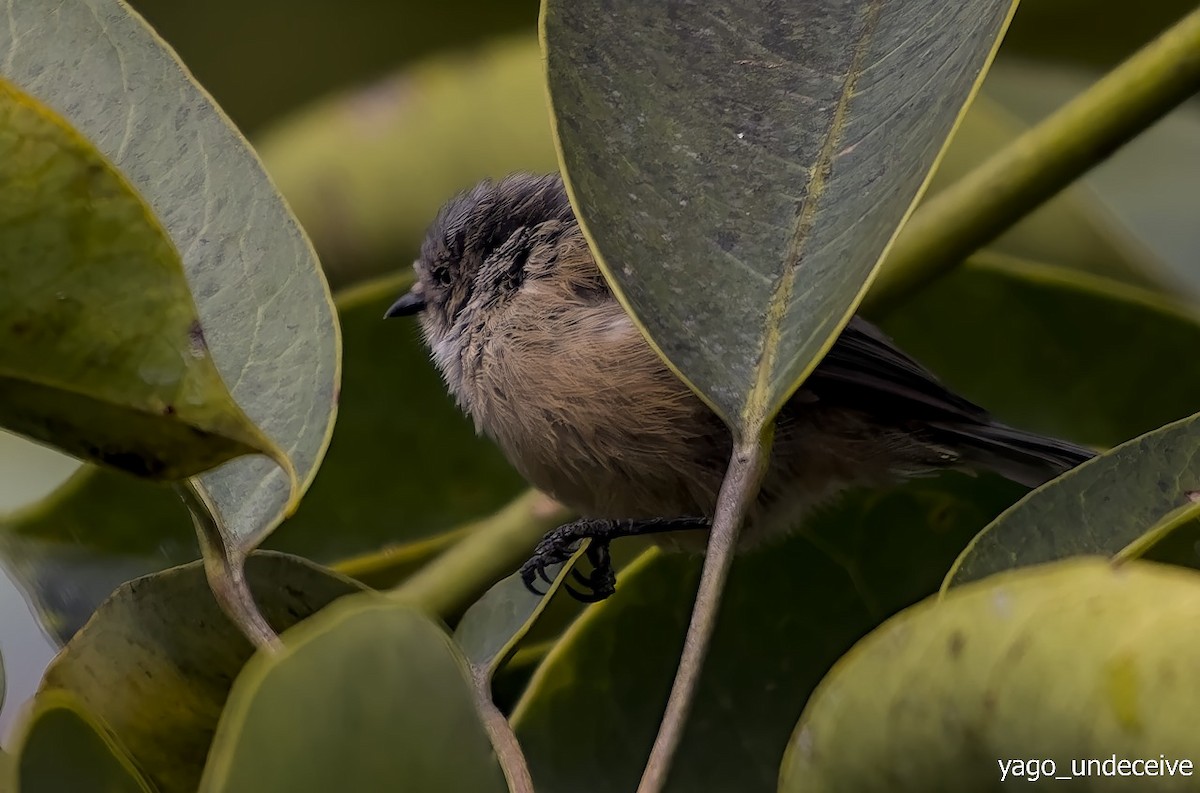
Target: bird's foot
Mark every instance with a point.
(560, 544)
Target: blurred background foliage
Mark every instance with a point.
(369, 115)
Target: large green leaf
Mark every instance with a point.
(369, 696)
(157, 659)
(1055, 351)
(788, 613)
(1060, 663)
(366, 171)
(264, 307)
(741, 169)
(1098, 508)
(64, 748)
(101, 350)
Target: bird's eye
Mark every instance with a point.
(441, 276)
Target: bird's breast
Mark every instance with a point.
(586, 411)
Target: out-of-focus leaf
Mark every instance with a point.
(1096, 509)
(263, 304)
(405, 465)
(746, 161)
(63, 747)
(1053, 350)
(788, 613)
(323, 47)
(1071, 230)
(1060, 662)
(29, 471)
(370, 695)
(157, 660)
(107, 512)
(98, 529)
(1147, 190)
(367, 171)
(513, 676)
(101, 351)
(1095, 32)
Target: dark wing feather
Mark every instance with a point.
(865, 371)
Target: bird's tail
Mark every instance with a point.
(1023, 457)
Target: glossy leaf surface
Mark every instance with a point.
(740, 169)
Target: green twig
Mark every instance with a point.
(490, 550)
(1041, 162)
(387, 567)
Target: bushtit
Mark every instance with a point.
(536, 349)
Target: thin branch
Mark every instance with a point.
(738, 492)
(1047, 158)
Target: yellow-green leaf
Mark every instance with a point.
(1065, 662)
(63, 748)
(263, 304)
(157, 659)
(740, 169)
(102, 353)
(370, 695)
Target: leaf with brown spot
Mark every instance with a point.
(97, 347)
(1075, 659)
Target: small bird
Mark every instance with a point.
(536, 349)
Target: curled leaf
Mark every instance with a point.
(102, 353)
(263, 304)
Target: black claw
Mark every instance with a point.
(559, 545)
(585, 597)
(528, 574)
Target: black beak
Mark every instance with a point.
(406, 306)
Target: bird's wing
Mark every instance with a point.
(865, 370)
